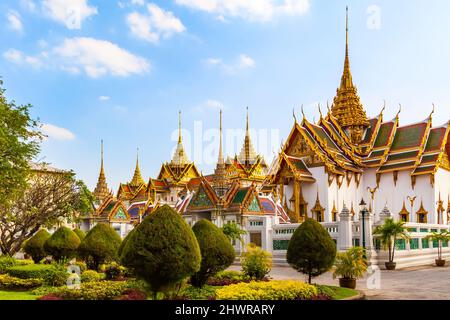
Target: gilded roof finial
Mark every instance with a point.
(180, 139)
(328, 107)
(101, 191)
(432, 111)
(320, 111)
(303, 113)
(384, 107)
(293, 114)
(399, 111)
(248, 154)
(221, 160)
(137, 180)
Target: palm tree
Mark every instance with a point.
(349, 266)
(234, 232)
(443, 236)
(388, 233)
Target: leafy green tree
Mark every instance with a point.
(311, 250)
(99, 246)
(163, 250)
(233, 232)
(63, 244)
(35, 245)
(51, 198)
(19, 144)
(443, 236)
(389, 232)
(216, 251)
(350, 264)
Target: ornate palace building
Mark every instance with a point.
(322, 172)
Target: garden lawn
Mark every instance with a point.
(16, 295)
(343, 293)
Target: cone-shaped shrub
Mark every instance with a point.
(80, 233)
(99, 246)
(216, 251)
(311, 250)
(63, 244)
(124, 242)
(35, 245)
(162, 250)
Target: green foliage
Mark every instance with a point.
(101, 290)
(8, 282)
(19, 144)
(35, 245)
(114, 271)
(6, 262)
(99, 246)
(311, 250)
(52, 275)
(272, 290)
(63, 244)
(233, 232)
(443, 236)
(194, 293)
(216, 251)
(124, 242)
(389, 232)
(91, 276)
(256, 263)
(350, 264)
(162, 250)
(79, 233)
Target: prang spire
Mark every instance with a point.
(248, 154)
(179, 158)
(137, 177)
(101, 191)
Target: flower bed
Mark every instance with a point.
(272, 290)
(8, 282)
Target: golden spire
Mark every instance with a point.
(347, 108)
(248, 154)
(137, 177)
(101, 190)
(179, 157)
(220, 181)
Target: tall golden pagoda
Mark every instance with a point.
(220, 181)
(137, 177)
(101, 191)
(248, 154)
(347, 107)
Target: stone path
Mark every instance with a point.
(422, 283)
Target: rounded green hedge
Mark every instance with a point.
(80, 233)
(216, 251)
(99, 246)
(311, 250)
(35, 245)
(52, 275)
(162, 250)
(63, 244)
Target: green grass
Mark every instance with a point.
(342, 293)
(14, 295)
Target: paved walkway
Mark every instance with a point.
(422, 283)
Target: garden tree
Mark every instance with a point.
(311, 250)
(63, 244)
(124, 242)
(162, 250)
(19, 144)
(388, 233)
(216, 251)
(80, 233)
(50, 198)
(100, 245)
(440, 238)
(233, 232)
(35, 245)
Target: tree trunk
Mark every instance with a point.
(309, 277)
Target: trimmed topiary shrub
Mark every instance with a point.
(99, 246)
(8, 282)
(35, 245)
(311, 250)
(52, 275)
(124, 242)
(6, 262)
(216, 251)
(80, 233)
(91, 276)
(163, 250)
(63, 244)
(256, 263)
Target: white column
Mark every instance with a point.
(345, 230)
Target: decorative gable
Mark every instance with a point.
(254, 205)
(201, 199)
(120, 214)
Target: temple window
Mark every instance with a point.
(404, 214)
(318, 210)
(422, 214)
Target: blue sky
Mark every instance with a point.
(121, 70)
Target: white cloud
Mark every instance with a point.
(253, 10)
(28, 5)
(71, 13)
(104, 98)
(57, 133)
(14, 21)
(18, 57)
(209, 105)
(98, 58)
(155, 24)
(241, 63)
(138, 2)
